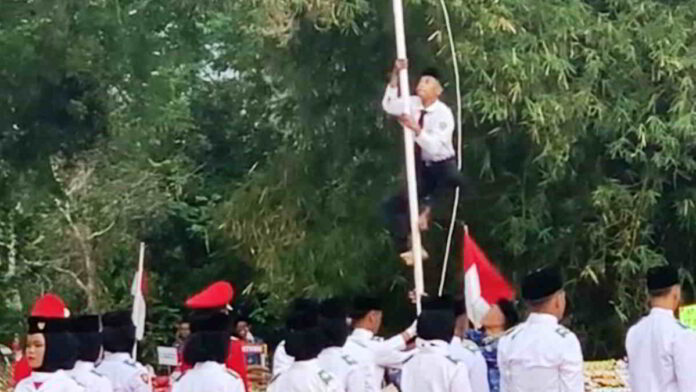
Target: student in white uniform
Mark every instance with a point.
(125, 374)
(303, 314)
(540, 355)
(432, 368)
(305, 374)
(662, 351)
(333, 358)
(467, 351)
(206, 350)
(432, 123)
(87, 332)
(373, 354)
(51, 351)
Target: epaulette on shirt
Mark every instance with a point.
(77, 381)
(325, 377)
(232, 373)
(130, 363)
(682, 325)
(471, 346)
(454, 361)
(378, 338)
(562, 331)
(96, 373)
(348, 359)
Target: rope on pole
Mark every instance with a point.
(410, 156)
(453, 219)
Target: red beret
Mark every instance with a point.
(50, 306)
(217, 295)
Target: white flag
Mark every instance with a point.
(139, 305)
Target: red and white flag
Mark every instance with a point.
(484, 285)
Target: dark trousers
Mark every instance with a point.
(432, 178)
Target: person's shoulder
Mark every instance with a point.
(348, 359)
(326, 377)
(470, 346)
(442, 107)
(71, 382)
(511, 333)
(23, 385)
(229, 373)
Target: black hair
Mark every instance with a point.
(305, 344)
(206, 346)
(61, 352)
(363, 305)
(436, 325)
(512, 317)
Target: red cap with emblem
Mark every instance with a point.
(217, 295)
(50, 306)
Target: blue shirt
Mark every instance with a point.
(489, 349)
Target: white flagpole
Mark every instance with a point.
(410, 156)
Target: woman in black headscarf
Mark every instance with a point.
(50, 351)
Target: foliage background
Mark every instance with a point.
(244, 141)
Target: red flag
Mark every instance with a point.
(484, 285)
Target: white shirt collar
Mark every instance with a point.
(362, 334)
(329, 350)
(43, 376)
(542, 318)
(432, 106)
(311, 363)
(83, 366)
(207, 365)
(434, 346)
(662, 312)
(108, 356)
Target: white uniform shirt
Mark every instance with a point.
(661, 354)
(209, 377)
(281, 360)
(305, 376)
(58, 381)
(468, 352)
(540, 355)
(432, 369)
(375, 355)
(435, 139)
(343, 367)
(93, 381)
(125, 374)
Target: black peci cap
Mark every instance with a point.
(662, 277)
(333, 308)
(541, 283)
(363, 305)
(48, 325)
(432, 72)
(117, 319)
(215, 322)
(444, 302)
(437, 324)
(85, 324)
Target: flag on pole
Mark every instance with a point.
(137, 290)
(484, 285)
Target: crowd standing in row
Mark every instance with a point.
(333, 346)
(439, 353)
